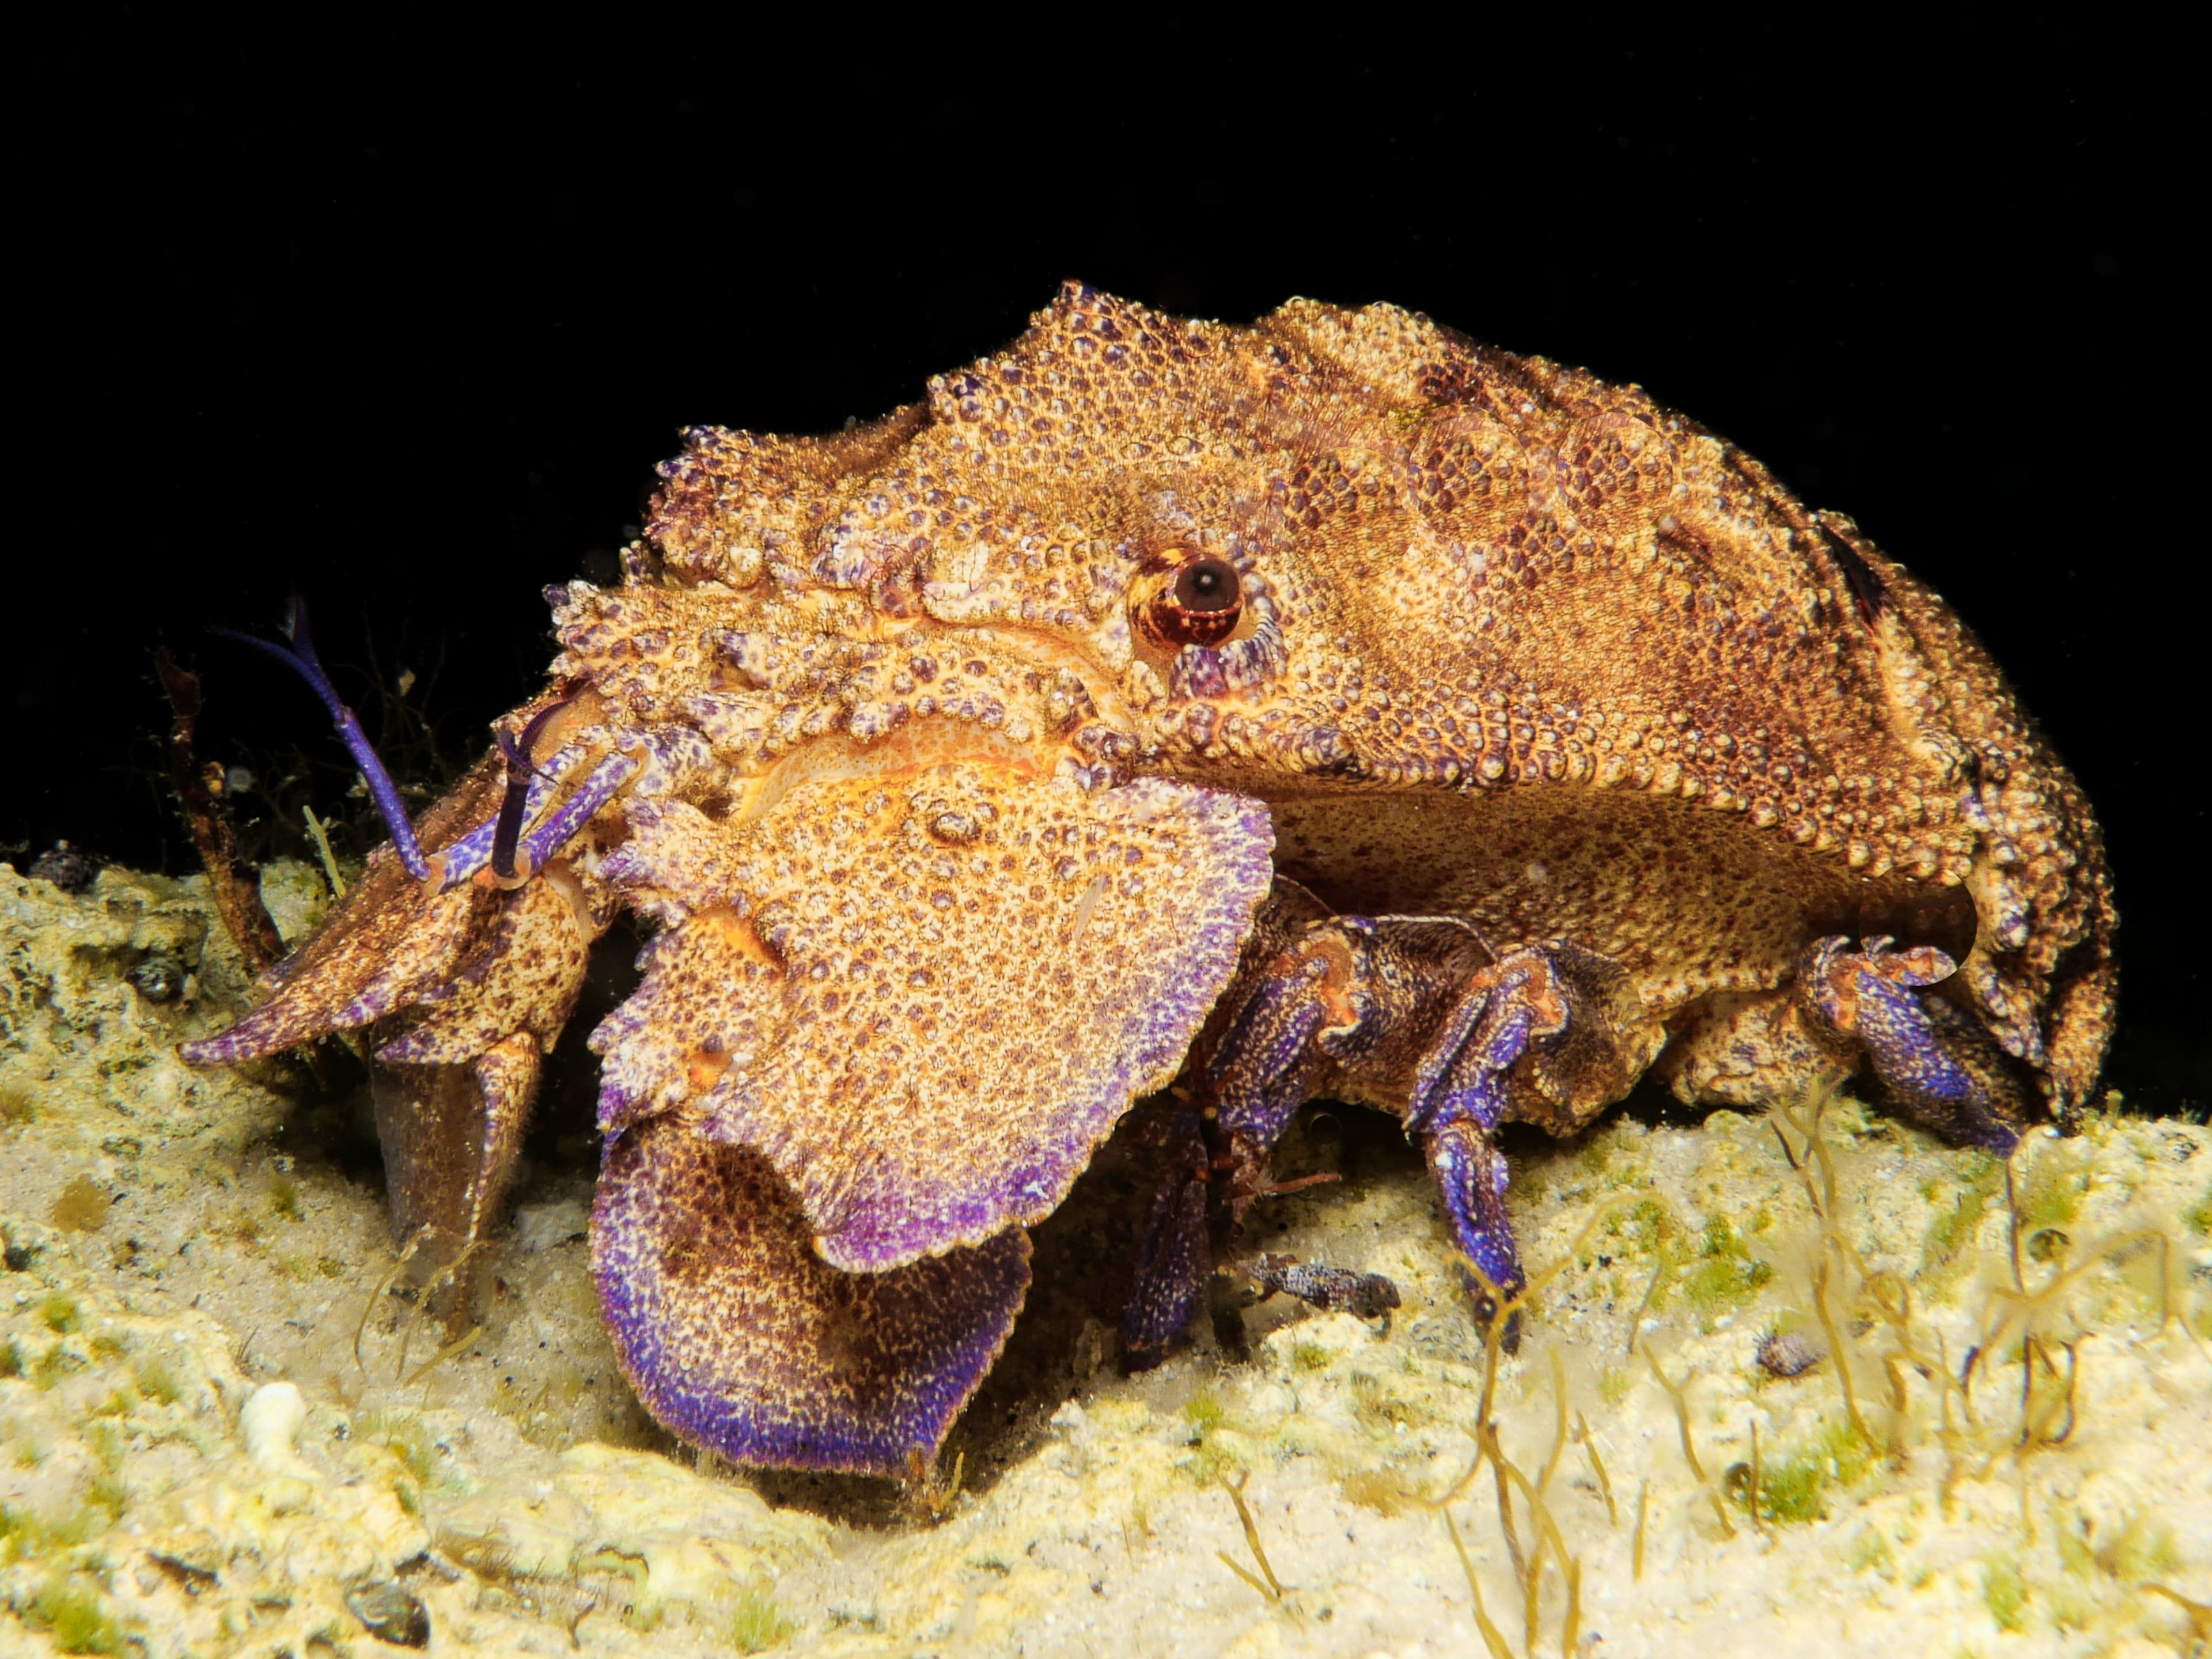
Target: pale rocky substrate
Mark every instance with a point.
(183, 1244)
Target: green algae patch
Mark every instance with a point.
(1202, 1414)
(1793, 1487)
(2133, 1553)
(1723, 1274)
(756, 1623)
(2057, 1183)
(1649, 1225)
(159, 1381)
(19, 1107)
(407, 1438)
(60, 1314)
(1869, 1552)
(69, 1607)
(284, 1197)
(1947, 1249)
(2004, 1593)
(2197, 1217)
(25, 1535)
(1215, 1454)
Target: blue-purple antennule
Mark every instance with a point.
(299, 651)
(520, 769)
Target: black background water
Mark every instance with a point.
(402, 313)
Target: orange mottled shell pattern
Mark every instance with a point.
(950, 854)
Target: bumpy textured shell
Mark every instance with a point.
(1521, 645)
(949, 856)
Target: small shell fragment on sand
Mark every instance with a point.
(1787, 1354)
(269, 1424)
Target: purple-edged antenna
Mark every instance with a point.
(299, 653)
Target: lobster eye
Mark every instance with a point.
(1200, 606)
(1207, 585)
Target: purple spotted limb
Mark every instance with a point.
(1930, 1065)
(1394, 1007)
(1419, 1011)
(464, 984)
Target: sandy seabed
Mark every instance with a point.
(221, 1434)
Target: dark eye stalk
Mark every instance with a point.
(1202, 606)
(520, 770)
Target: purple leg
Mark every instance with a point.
(1347, 999)
(1257, 1075)
(1553, 1007)
(1932, 1075)
(1176, 1256)
(1462, 1076)
(1459, 1097)
(1471, 1177)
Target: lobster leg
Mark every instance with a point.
(1932, 1065)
